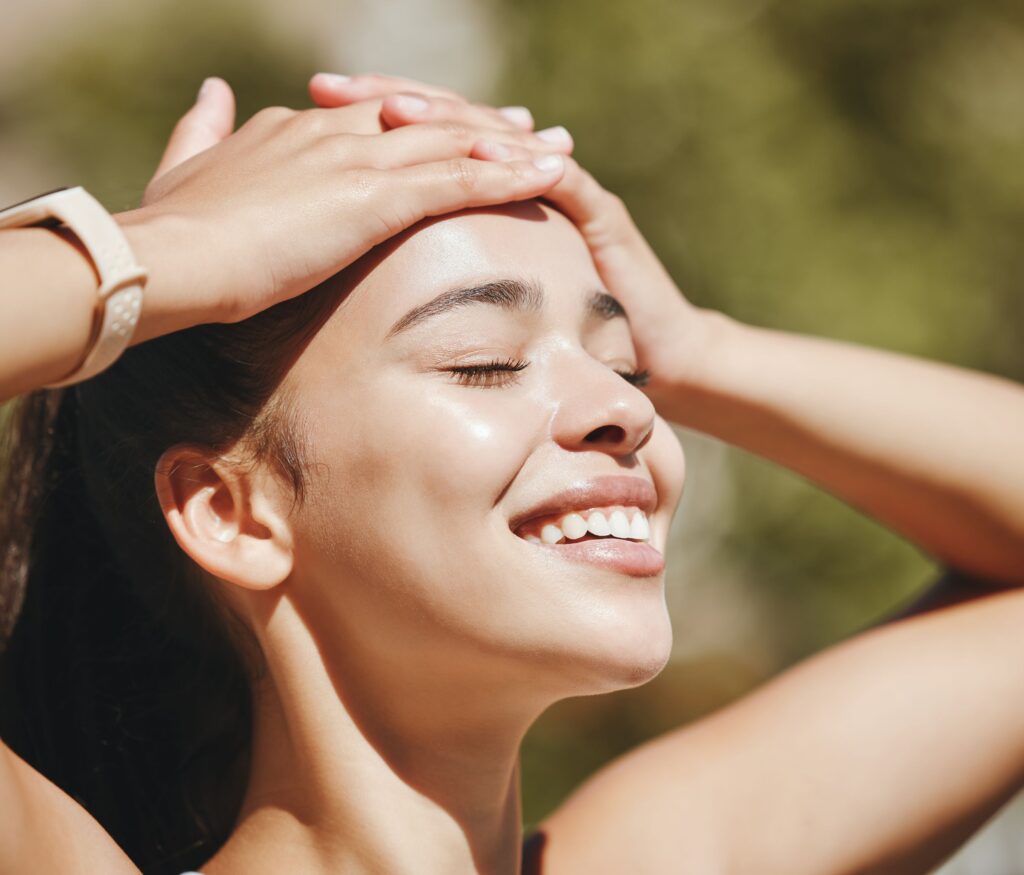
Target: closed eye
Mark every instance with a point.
(488, 373)
(504, 371)
(637, 378)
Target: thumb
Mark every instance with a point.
(210, 120)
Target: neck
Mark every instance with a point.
(367, 768)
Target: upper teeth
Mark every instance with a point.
(602, 523)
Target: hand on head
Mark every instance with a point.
(660, 317)
(398, 151)
(247, 219)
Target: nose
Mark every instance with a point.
(600, 411)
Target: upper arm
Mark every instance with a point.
(42, 829)
(880, 755)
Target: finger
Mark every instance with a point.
(413, 193)
(495, 150)
(419, 144)
(621, 253)
(592, 208)
(334, 89)
(520, 116)
(210, 120)
(407, 108)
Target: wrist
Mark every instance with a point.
(178, 293)
(694, 349)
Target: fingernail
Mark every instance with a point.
(332, 79)
(518, 115)
(548, 163)
(205, 87)
(409, 103)
(556, 134)
(497, 150)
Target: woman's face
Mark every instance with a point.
(410, 551)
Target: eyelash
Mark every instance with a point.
(489, 373)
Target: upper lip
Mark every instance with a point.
(594, 492)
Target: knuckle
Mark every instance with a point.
(312, 122)
(593, 188)
(517, 172)
(614, 203)
(612, 200)
(452, 129)
(273, 115)
(463, 174)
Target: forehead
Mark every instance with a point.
(527, 241)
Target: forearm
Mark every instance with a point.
(935, 452)
(48, 289)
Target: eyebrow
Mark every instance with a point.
(509, 294)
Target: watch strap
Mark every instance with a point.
(119, 296)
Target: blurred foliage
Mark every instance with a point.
(849, 169)
(102, 100)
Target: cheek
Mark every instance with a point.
(416, 470)
(397, 543)
(454, 447)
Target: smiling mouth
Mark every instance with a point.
(605, 523)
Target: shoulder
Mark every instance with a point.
(30, 838)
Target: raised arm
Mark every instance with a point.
(933, 451)
(885, 753)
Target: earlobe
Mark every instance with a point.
(227, 519)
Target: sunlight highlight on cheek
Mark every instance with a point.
(474, 433)
(473, 426)
(482, 431)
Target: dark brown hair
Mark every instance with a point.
(124, 679)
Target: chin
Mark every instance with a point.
(626, 653)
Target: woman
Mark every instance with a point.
(365, 544)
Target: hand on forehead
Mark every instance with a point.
(528, 242)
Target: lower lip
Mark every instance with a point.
(626, 557)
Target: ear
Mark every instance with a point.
(228, 519)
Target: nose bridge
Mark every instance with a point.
(599, 410)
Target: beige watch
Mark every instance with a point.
(119, 297)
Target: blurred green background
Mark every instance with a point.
(849, 169)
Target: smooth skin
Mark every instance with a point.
(880, 755)
(411, 638)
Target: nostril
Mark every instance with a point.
(612, 434)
